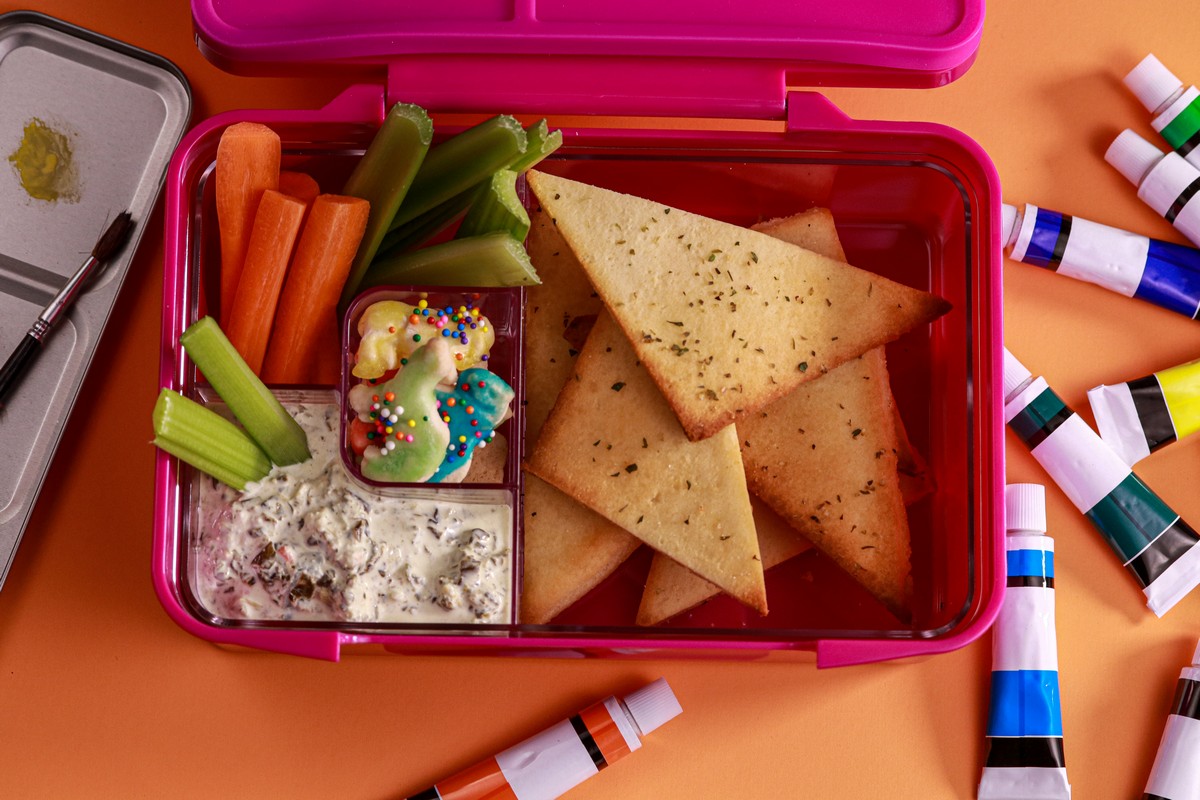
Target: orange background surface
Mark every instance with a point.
(101, 695)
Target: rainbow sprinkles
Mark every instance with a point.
(392, 331)
(428, 401)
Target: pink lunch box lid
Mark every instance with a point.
(624, 57)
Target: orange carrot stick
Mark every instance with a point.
(248, 158)
(272, 239)
(300, 185)
(308, 307)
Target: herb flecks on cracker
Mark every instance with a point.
(648, 291)
(644, 482)
(867, 534)
(568, 548)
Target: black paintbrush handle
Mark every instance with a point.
(15, 366)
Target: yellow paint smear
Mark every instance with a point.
(44, 164)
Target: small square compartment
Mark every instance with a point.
(504, 309)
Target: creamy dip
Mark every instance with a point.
(308, 543)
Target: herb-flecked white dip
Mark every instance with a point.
(307, 543)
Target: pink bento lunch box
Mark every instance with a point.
(916, 202)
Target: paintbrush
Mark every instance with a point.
(108, 244)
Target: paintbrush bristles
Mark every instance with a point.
(114, 237)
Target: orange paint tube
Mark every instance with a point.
(563, 756)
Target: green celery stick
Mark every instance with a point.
(542, 142)
(495, 259)
(461, 162)
(496, 209)
(383, 178)
(207, 441)
(417, 232)
(265, 420)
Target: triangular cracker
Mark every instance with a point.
(724, 319)
(611, 443)
(558, 317)
(839, 527)
(568, 549)
(813, 229)
(824, 458)
(844, 536)
(672, 589)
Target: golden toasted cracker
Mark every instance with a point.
(813, 230)
(724, 319)
(558, 316)
(672, 589)
(879, 561)
(568, 549)
(611, 443)
(824, 458)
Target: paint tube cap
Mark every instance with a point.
(1008, 225)
(1152, 83)
(1025, 507)
(1196, 657)
(1015, 374)
(652, 705)
(1133, 156)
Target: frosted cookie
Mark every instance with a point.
(411, 438)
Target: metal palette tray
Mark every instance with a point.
(121, 111)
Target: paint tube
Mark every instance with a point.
(1025, 731)
(1129, 264)
(1140, 416)
(1165, 182)
(1176, 771)
(1176, 110)
(1153, 542)
(563, 756)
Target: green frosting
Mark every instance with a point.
(414, 392)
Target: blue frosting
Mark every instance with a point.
(490, 397)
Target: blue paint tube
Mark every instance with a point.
(1025, 731)
(1162, 273)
